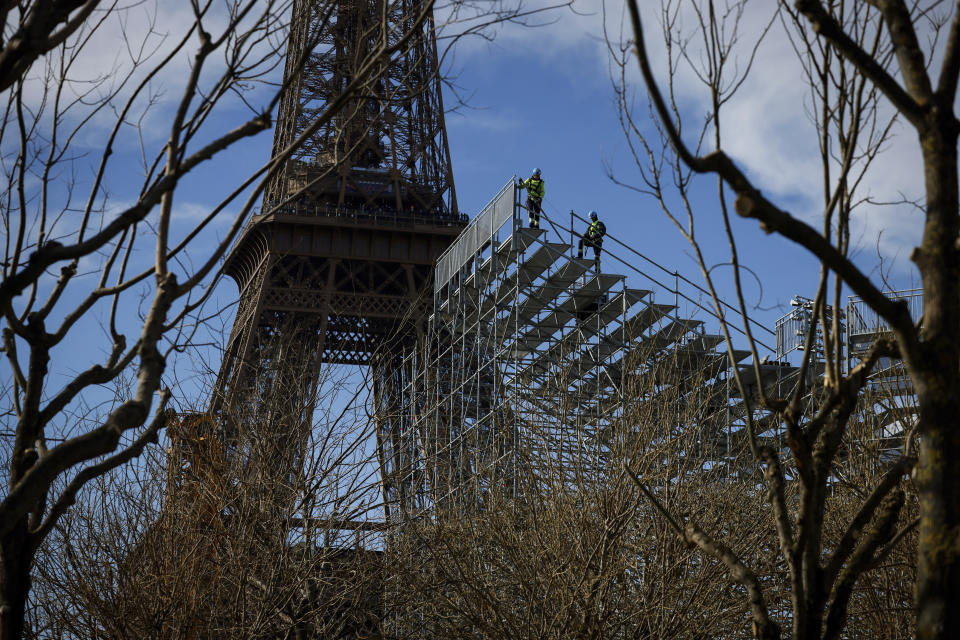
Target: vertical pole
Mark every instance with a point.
(729, 418)
(676, 291)
(846, 337)
(516, 214)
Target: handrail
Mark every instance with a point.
(868, 321)
(675, 290)
(492, 215)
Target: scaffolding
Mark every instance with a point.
(889, 393)
(527, 357)
(532, 357)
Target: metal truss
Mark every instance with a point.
(532, 358)
(387, 146)
(890, 400)
(337, 267)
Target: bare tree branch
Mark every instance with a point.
(950, 68)
(36, 36)
(825, 25)
(68, 496)
(764, 627)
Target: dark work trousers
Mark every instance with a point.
(587, 242)
(533, 211)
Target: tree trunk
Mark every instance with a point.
(15, 562)
(938, 386)
(938, 564)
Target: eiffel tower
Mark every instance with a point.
(337, 268)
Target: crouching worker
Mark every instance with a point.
(593, 238)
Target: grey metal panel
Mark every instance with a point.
(706, 342)
(519, 241)
(616, 340)
(557, 357)
(580, 301)
(543, 331)
(769, 373)
(488, 270)
(615, 309)
(493, 265)
(599, 284)
(669, 335)
(528, 269)
(710, 362)
(600, 354)
(497, 213)
(639, 322)
(687, 361)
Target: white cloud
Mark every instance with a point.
(767, 126)
(122, 47)
(113, 42)
(482, 120)
(769, 131)
(544, 32)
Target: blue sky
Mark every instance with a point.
(543, 97)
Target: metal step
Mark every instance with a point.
(582, 300)
(545, 295)
(528, 270)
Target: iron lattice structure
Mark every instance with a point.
(385, 149)
(492, 348)
(337, 268)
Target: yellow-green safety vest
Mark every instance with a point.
(596, 230)
(534, 187)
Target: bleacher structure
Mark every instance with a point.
(888, 401)
(527, 357)
(526, 354)
(532, 356)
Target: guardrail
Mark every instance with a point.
(864, 324)
(503, 208)
(792, 328)
(682, 288)
(497, 212)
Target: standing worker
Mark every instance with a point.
(534, 187)
(593, 238)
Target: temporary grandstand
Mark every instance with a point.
(529, 352)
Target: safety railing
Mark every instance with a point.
(498, 212)
(864, 325)
(681, 287)
(792, 328)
